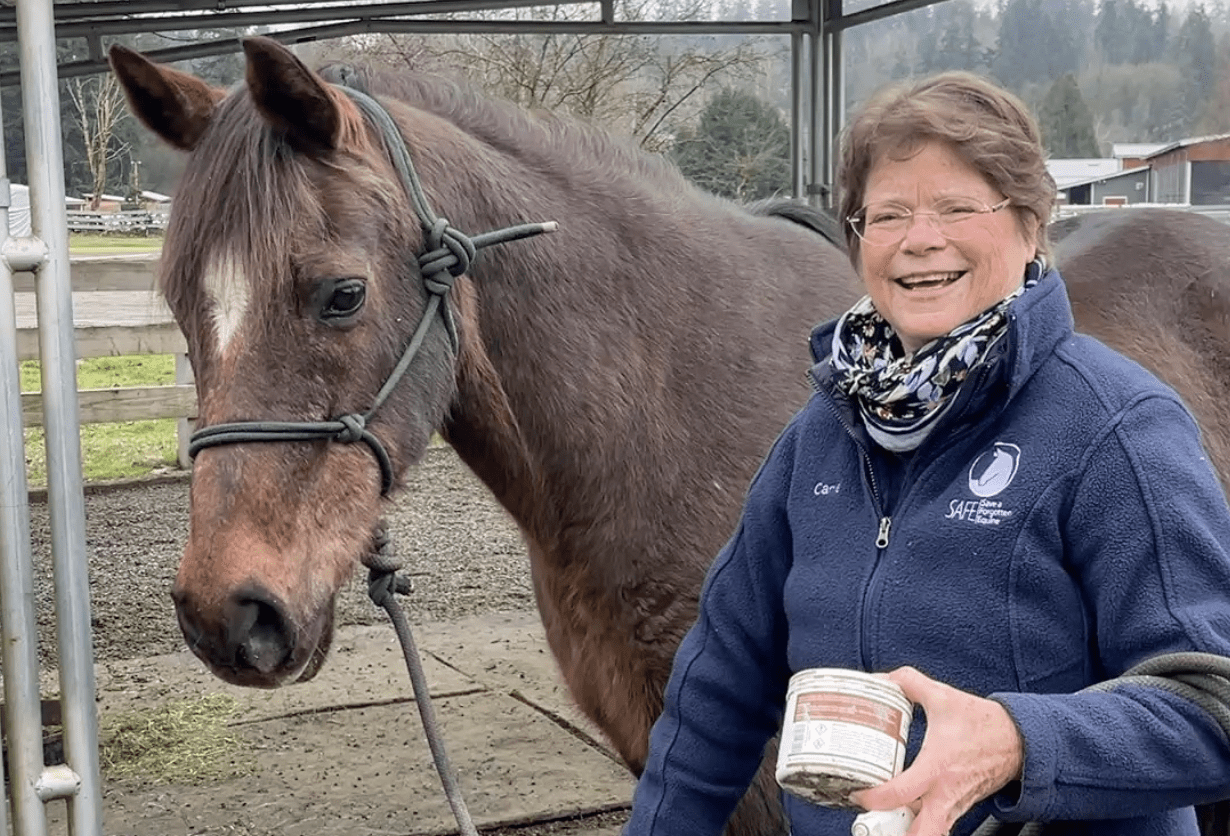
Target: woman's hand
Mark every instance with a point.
(971, 749)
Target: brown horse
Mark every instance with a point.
(615, 384)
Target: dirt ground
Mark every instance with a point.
(463, 552)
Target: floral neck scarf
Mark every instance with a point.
(900, 396)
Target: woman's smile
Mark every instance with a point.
(930, 281)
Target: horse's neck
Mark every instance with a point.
(510, 428)
(582, 369)
(483, 429)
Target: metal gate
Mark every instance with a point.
(32, 783)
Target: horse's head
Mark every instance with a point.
(289, 264)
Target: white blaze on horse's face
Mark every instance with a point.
(227, 287)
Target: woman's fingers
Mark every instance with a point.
(971, 749)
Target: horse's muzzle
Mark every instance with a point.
(251, 640)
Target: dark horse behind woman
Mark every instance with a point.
(615, 383)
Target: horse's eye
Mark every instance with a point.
(345, 300)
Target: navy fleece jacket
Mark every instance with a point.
(1061, 525)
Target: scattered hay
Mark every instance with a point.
(181, 742)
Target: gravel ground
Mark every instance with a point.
(463, 551)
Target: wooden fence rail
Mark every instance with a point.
(132, 403)
(127, 221)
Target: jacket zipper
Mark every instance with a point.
(886, 520)
(882, 538)
(885, 524)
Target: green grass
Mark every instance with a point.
(87, 243)
(120, 450)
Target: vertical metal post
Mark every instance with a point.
(835, 103)
(828, 102)
(17, 623)
(818, 165)
(65, 498)
(798, 111)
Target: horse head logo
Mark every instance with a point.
(994, 470)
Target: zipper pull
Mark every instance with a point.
(882, 538)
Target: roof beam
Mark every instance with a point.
(81, 26)
(221, 46)
(837, 21)
(92, 20)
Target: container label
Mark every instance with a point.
(844, 735)
(848, 708)
(843, 731)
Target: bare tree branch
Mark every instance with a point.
(629, 83)
(99, 108)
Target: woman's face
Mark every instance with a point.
(925, 285)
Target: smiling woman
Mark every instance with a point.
(1013, 487)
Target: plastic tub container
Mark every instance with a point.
(843, 731)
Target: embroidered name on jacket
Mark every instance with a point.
(989, 475)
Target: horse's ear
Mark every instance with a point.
(173, 104)
(293, 98)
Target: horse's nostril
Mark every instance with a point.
(262, 636)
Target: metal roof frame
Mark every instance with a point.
(326, 19)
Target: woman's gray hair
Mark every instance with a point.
(990, 128)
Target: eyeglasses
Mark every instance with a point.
(885, 224)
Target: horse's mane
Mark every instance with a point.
(817, 220)
(503, 124)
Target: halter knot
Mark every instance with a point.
(354, 427)
(449, 254)
(383, 580)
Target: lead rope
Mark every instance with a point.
(382, 583)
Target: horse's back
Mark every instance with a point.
(1155, 285)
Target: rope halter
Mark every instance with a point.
(447, 253)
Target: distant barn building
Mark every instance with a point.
(1135, 154)
(1070, 172)
(1192, 172)
(1117, 189)
(155, 201)
(106, 202)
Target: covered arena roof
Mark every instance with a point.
(296, 21)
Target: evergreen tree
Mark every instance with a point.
(740, 148)
(1016, 57)
(1109, 33)
(1161, 31)
(1037, 42)
(1138, 32)
(1065, 121)
(958, 46)
(1196, 56)
(1125, 32)
(1216, 117)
